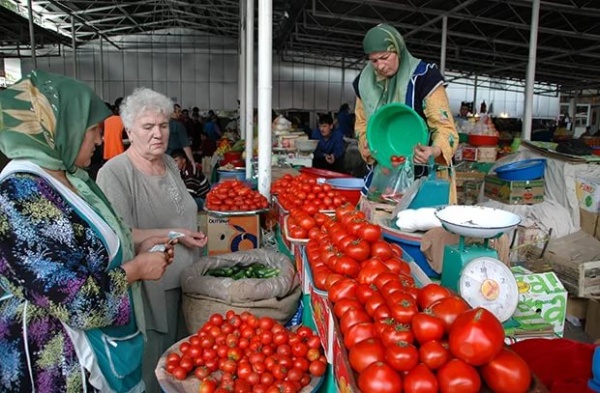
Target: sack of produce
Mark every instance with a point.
(263, 282)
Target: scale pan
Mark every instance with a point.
(477, 221)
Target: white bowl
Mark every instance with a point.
(477, 221)
(307, 146)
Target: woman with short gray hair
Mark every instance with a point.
(144, 186)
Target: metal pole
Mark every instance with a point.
(444, 40)
(242, 72)
(102, 67)
(265, 87)
(535, 16)
(249, 86)
(74, 43)
(475, 109)
(31, 34)
(343, 80)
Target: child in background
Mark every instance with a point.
(197, 185)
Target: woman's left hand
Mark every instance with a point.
(422, 153)
(192, 239)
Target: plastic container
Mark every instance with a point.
(411, 243)
(322, 173)
(522, 170)
(483, 140)
(594, 383)
(235, 174)
(349, 188)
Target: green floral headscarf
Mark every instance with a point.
(43, 119)
(376, 91)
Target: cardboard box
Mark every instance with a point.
(590, 222)
(514, 192)
(575, 259)
(324, 319)
(228, 234)
(466, 153)
(342, 371)
(487, 154)
(588, 194)
(530, 236)
(592, 319)
(373, 210)
(577, 306)
(543, 293)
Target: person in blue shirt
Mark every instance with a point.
(330, 150)
(344, 121)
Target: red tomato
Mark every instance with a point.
(404, 310)
(343, 289)
(390, 332)
(207, 386)
(379, 378)
(457, 376)
(431, 293)
(447, 309)
(427, 327)
(433, 354)
(397, 265)
(366, 352)
(370, 269)
(384, 278)
(382, 312)
(370, 232)
(359, 332)
(347, 266)
(420, 380)
(507, 373)
(402, 356)
(365, 291)
(476, 336)
(382, 250)
(351, 317)
(358, 250)
(343, 305)
(317, 368)
(180, 373)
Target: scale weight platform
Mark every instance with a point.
(474, 270)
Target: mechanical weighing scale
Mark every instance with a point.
(474, 270)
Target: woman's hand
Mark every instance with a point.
(150, 242)
(422, 153)
(148, 265)
(192, 238)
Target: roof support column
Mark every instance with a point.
(31, 34)
(535, 16)
(102, 67)
(265, 87)
(242, 74)
(75, 73)
(444, 40)
(249, 86)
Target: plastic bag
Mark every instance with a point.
(389, 184)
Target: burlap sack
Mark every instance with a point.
(276, 297)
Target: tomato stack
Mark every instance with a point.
(246, 353)
(304, 192)
(235, 196)
(426, 340)
(401, 338)
(347, 245)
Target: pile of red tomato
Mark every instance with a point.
(401, 338)
(347, 245)
(248, 354)
(235, 196)
(303, 192)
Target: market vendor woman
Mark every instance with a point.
(394, 75)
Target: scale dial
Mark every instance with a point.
(487, 282)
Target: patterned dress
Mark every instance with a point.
(53, 263)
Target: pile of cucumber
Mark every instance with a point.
(236, 272)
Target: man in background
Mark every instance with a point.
(113, 133)
(178, 137)
(330, 150)
(196, 184)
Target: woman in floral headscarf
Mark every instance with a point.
(394, 75)
(71, 318)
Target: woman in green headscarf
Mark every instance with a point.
(71, 312)
(394, 75)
